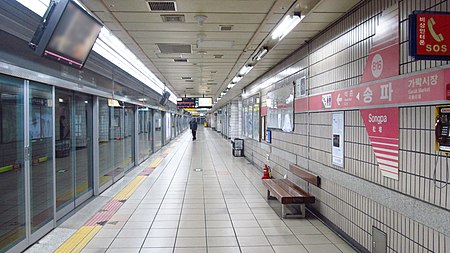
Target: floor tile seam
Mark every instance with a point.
(233, 177)
(135, 170)
(252, 183)
(182, 203)
(282, 219)
(223, 196)
(334, 233)
(203, 192)
(168, 187)
(71, 243)
(150, 187)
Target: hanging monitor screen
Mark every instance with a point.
(205, 102)
(66, 34)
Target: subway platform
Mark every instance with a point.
(192, 196)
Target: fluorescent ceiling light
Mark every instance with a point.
(261, 53)
(236, 79)
(112, 49)
(244, 70)
(285, 27)
(223, 94)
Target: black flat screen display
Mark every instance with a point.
(69, 34)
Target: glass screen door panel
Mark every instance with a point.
(157, 137)
(40, 125)
(144, 149)
(105, 143)
(117, 134)
(83, 144)
(64, 149)
(128, 136)
(12, 188)
(73, 120)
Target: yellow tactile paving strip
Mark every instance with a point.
(130, 188)
(84, 235)
(156, 162)
(79, 240)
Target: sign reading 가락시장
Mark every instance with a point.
(429, 35)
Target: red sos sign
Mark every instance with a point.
(430, 35)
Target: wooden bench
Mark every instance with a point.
(290, 194)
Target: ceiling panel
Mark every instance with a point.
(233, 6)
(213, 18)
(322, 17)
(251, 20)
(170, 27)
(335, 6)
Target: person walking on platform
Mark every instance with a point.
(193, 126)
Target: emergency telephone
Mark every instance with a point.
(438, 37)
(442, 129)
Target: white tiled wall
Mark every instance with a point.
(414, 211)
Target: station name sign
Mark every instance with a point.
(186, 103)
(429, 35)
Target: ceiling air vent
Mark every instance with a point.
(173, 18)
(225, 27)
(180, 60)
(189, 81)
(211, 84)
(189, 88)
(186, 77)
(162, 5)
(173, 48)
(218, 56)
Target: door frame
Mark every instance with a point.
(76, 201)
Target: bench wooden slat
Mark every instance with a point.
(275, 190)
(294, 192)
(306, 197)
(304, 174)
(285, 193)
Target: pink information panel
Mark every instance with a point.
(382, 125)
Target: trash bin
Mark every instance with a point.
(238, 147)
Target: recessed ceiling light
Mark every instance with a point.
(225, 27)
(180, 60)
(200, 19)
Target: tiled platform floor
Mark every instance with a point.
(202, 199)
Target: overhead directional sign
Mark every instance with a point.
(185, 103)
